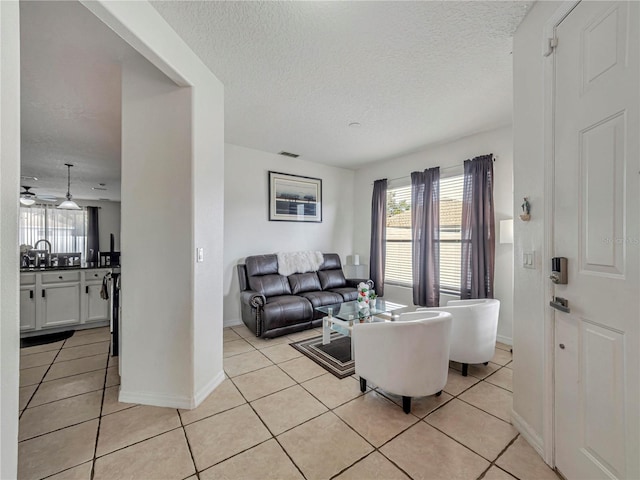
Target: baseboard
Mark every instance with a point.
(156, 399)
(205, 391)
(231, 322)
(505, 340)
(528, 433)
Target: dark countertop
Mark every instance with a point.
(73, 267)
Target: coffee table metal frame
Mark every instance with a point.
(341, 317)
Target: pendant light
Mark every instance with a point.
(69, 204)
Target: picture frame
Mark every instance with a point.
(294, 198)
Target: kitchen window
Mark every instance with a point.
(65, 229)
(398, 265)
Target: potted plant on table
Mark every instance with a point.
(373, 298)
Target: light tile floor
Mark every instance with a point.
(278, 415)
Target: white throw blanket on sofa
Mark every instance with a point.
(299, 262)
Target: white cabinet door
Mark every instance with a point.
(60, 304)
(27, 307)
(97, 309)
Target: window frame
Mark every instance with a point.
(448, 289)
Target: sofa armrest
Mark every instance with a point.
(253, 298)
(354, 282)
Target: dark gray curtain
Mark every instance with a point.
(478, 229)
(425, 233)
(93, 234)
(378, 250)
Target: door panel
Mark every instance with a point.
(602, 169)
(597, 227)
(61, 305)
(603, 383)
(97, 307)
(27, 307)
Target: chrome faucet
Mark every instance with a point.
(47, 259)
(45, 241)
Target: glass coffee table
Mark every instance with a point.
(341, 317)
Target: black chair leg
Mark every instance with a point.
(439, 393)
(465, 369)
(363, 384)
(486, 363)
(406, 404)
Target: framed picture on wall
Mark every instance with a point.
(293, 198)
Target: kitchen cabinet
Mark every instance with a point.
(28, 301)
(96, 309)
(60, 294)
(62, 299)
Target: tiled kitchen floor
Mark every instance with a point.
(277, 416)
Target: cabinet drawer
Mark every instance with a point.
(27, 279)
(95, 275)
(60, 276)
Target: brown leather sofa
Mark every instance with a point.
(274, 305)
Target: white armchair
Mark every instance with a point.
(473, 331)
(409, 357)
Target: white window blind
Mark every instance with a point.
(450, 232)
(65, 229)
(398, 267)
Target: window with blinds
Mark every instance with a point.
(398, 268)
(450, 233)
(65, 229)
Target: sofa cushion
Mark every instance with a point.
(319, 298)
(331, 279)
(270, 285)
(304, 282)
(281, 311)
(349, 294)
(262, 265)
(331, 261)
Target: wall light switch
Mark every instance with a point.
(200, 255)
(529, 259)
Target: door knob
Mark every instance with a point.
(561, 346)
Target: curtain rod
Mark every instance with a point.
(495, 157)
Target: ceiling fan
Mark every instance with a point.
(27, 197)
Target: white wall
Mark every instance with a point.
(208, 197)
(529, 179)
(156, 231)
(9, 181)
(248, 230)
(199, 130)
(498, 142)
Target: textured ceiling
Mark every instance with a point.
(295, 75)
(70, 100)
(411, 73)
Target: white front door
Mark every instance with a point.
(596, 226)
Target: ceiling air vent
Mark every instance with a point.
(289, 154)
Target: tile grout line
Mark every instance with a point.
(268, 430)
(40, 383)
(95, 448)
(482, 475)
(184, 432)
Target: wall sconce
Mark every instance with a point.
(506, 231)
(526, 210)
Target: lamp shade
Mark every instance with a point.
(506, 231)
(69, 205)
(27, 201)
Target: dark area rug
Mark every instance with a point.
(334, 357)
(44, 339)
